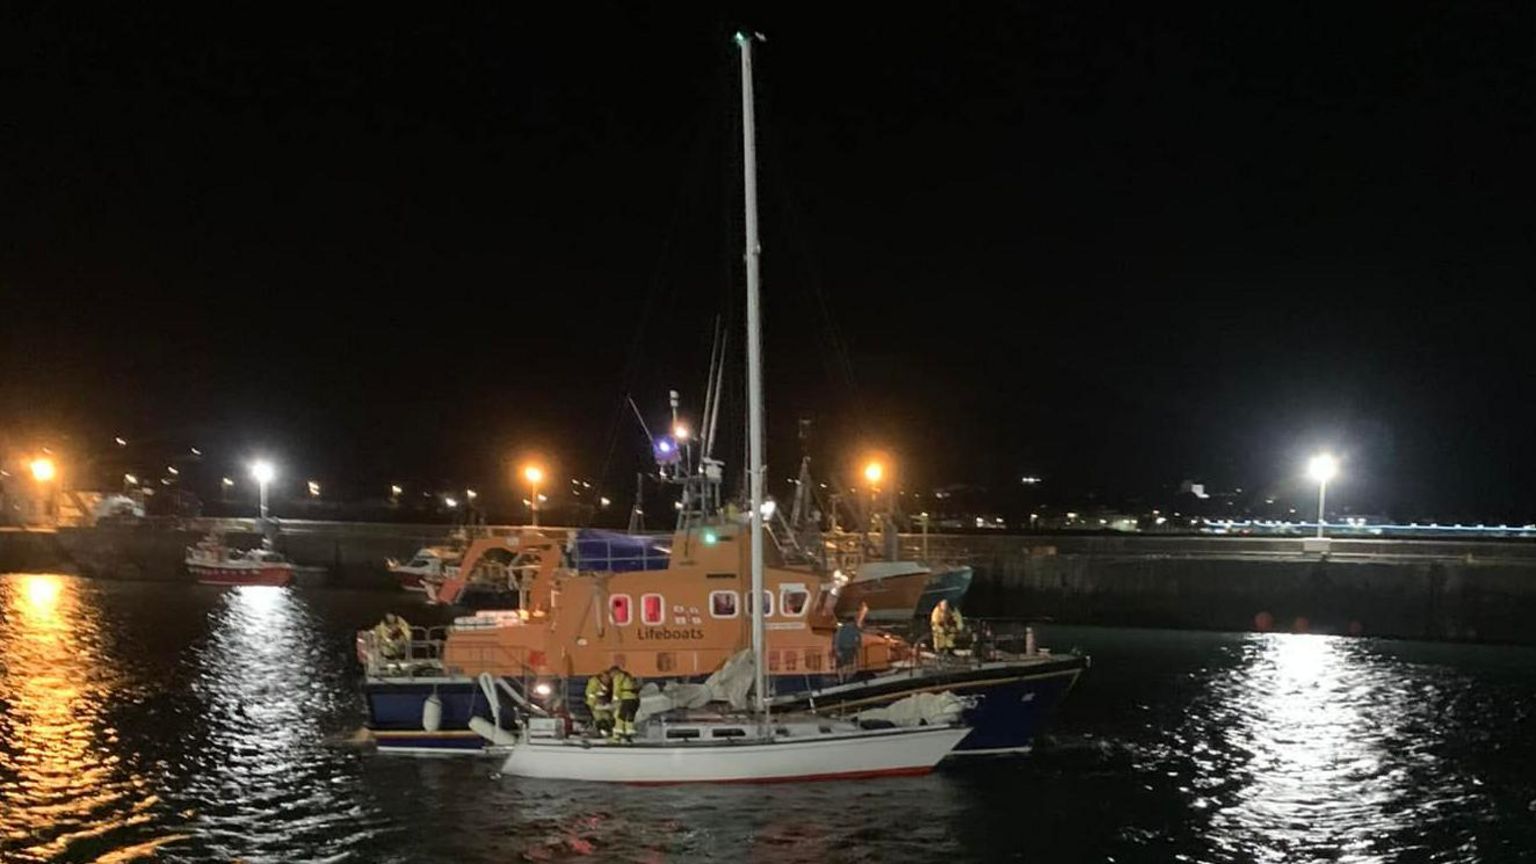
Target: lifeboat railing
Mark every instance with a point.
(422, 655)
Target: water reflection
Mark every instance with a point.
(1316, 747)
(63, 788)
(262, 778)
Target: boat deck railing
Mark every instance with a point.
(421, 656)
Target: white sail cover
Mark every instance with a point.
(731, 683)
(919, 709)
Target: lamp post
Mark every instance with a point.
(534, 475)
(262, 472)
(45, 473)
(1322, 468)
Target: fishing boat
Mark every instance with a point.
(676, 611)
(214, 562)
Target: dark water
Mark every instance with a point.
(181, 723)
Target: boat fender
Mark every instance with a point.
(491, 732)
(432, 713)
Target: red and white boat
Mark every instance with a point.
(212, 562)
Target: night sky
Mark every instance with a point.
(1115, 247)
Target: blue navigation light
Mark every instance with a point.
(666, 450)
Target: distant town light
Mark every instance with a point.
(395, 489)
(314, 489)
(471, 494)
(450, 502)
(196, 452)
(1029, 480)
(130, 479)
(605, 501)
(120, 441)
(226, 482)
(171, 470)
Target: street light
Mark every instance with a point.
(534, 475)
(1322, 468)
(873, 472)
(314, 488)
(263, 472)
(43, 469)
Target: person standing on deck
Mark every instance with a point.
(393, 637)
(626, 695)
(947, 624)
(600, 702)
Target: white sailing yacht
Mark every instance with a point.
(718, 748)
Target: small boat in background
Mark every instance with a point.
(429, 564)
(214, 562)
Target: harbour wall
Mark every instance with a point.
(1418, 589)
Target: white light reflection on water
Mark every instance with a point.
(1314, 747)
(264, 781)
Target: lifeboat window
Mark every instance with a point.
(621, 610)
(812, 660)
(767, 602)
(793, 600)
(791, 659)
(722, 604)
(653, 609)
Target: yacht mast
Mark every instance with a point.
(753, 253)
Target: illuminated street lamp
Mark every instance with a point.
(314, 488)
(395, 491)
(1322, 468)
(263, 472)
(534, 475)
(873, 472)
(43, 469)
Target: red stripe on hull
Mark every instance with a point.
(803, 778)
(274, 576)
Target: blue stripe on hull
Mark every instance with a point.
(397, 707)
(1008, 716)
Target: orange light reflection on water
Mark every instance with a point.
(64, 784)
